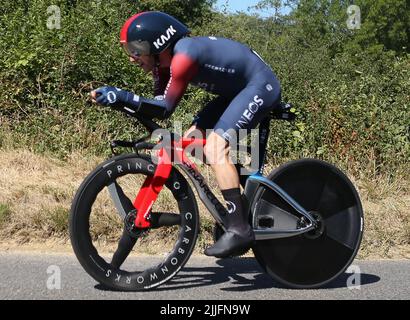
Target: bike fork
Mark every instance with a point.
(152, 186)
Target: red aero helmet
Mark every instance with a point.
(150, 32)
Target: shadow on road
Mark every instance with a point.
(240, 274)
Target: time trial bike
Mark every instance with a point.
(306, 214)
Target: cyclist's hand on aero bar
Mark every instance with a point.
(111, 96)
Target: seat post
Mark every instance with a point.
(263, 141)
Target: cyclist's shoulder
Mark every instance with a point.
(199, 42)
(209, 40)
(198, 46)
(191, 46)
(187, 43)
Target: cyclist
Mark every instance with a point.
(245, 86)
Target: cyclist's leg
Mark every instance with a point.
(245, 111)
(248, 109)
(205, 120)
(210, 114)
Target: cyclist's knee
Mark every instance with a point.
(216, 149)
(194, 132)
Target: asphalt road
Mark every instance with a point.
(60, 276)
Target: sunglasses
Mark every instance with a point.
(136, 48)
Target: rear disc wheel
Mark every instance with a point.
(319, 256)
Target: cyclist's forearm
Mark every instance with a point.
(150, 107)
(156, 108)
(161, 108)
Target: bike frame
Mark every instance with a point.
(153, 185)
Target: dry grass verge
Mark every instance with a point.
(36, 193)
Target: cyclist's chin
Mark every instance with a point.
(146, 68)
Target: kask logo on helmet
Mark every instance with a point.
(165, 37)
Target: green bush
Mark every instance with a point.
(5, 213)
(351, 96)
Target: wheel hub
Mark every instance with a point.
(320, 226)
(129, 223)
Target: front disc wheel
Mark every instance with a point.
(104, 239)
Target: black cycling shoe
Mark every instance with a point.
(230, 243)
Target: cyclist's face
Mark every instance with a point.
(146, 62)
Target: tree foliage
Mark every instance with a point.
(350, 86)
